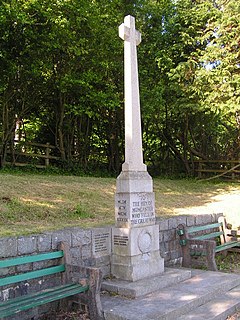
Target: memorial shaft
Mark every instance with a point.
(133, 134)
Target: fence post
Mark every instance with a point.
(47, 154)
(233, 174)
(200, 166)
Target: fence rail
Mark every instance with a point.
(23, 151)
(229, 169)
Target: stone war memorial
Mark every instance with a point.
(137, 268)
(135, 236)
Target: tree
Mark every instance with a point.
(62, 73)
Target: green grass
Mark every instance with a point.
(229, 263)
(33, 203)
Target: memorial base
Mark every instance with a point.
(136, 253)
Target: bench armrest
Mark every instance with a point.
(93, 278)
(85, 276)
(198, 248)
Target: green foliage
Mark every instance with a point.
(229, 263)
(62, 80)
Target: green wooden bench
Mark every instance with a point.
(201, 243)
(54, 263)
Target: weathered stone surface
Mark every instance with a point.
(81, 237)
(168, 246)
(86, 251)
(174, 255)
(203, 219)
(135, 241)
(160, 237)
(24, 267)
(190, 221)
(26, 245)
(76, 255)
(174, 222)
(135, 238)
(148, 285)
(44, 242)
(134, 182)
(163, 224)
(106, 270)
(62, 235)
(8, 247)
(102, 261)
(169, 235)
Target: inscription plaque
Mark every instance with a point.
(101, 244)
(120, 240)
(134, 209)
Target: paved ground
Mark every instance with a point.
(226, 203)
(206, 295)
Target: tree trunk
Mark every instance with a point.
(60, 133)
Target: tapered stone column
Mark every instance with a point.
(135, 236)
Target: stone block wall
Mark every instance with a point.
(92, 247)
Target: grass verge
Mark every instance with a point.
(32, 203)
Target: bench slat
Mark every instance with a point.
(208, 236)
(36, 296)
(47, 296)
(10, 303)
(32, 275)
(203, 228)
(28, 259)
(227, 245)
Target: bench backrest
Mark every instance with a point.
(209, 231)
(6, 263)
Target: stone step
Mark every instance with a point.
(217, 309)
(204, 291)
(148, 285)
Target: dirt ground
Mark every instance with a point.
(67, 316)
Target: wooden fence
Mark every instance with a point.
(229, 169)
(29, 153)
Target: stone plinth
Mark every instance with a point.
(135, 238)
(136, 253)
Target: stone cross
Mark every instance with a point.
(135, 237)
(133, 132)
